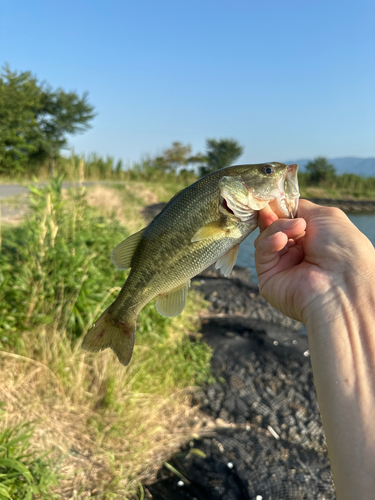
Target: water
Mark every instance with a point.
(364, 222)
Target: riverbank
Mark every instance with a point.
(14, 201)
(348, 206)
(267, 440)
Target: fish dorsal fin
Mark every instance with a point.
(209, 231)
(121, 256)
(173, 302)
(227, 261)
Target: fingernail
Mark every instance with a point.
(289, 223)
(275, 234)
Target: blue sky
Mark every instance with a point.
(287, 79)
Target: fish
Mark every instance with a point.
(201, 225)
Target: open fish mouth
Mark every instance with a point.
(291, 190)
(286, 204)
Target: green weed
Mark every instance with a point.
(55, 279)
(23, 473)
(338, 187)
(49, 265)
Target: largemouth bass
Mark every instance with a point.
(201, 225)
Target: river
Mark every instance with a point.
(364, 222)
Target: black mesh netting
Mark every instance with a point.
(268, 442)
(246, 465)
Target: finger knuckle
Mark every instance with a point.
(335, 212)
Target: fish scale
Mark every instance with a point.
(201, 225)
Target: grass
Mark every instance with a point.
(23, 473)
(164, 185)
(340, 187)
(107, 427)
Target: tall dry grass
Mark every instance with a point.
(109, 427)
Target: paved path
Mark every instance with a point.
(14, 212)
(8, 190)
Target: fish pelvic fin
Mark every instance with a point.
(108, 331)
(172, 303)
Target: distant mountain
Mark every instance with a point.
(349, 164)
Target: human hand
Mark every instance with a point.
(306, 265)
(320, 269)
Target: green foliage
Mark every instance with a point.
(48, 265)
(35, 120)
(118, 169)
(320, 170)
(55, 279)
(23, 473)
(179, 361)
(63, 113)
(20, 135)
(322, 182)
(55, 271)
(96, 167)
(220, 154)
(174, 158)
(144, 171)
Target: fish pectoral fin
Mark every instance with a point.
(121, 256)
(227, 261)
(172, 303)
(209, 231)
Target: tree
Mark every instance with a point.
(20, 134)
(220, 154)
(118, 168)
(63, 113)
(35, 120)
(320, 170)
(175, 157)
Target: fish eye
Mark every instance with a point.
(268, 169)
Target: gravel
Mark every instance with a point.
(268, 442)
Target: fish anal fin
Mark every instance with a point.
(172, 303)
(121, 256)
(209, 231)
(109, 332)
(227, 261)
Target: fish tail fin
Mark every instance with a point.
(108, 331)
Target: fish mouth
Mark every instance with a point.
(286, 204)
(292, 189)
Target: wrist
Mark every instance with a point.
(342, 347)
(342, 299)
